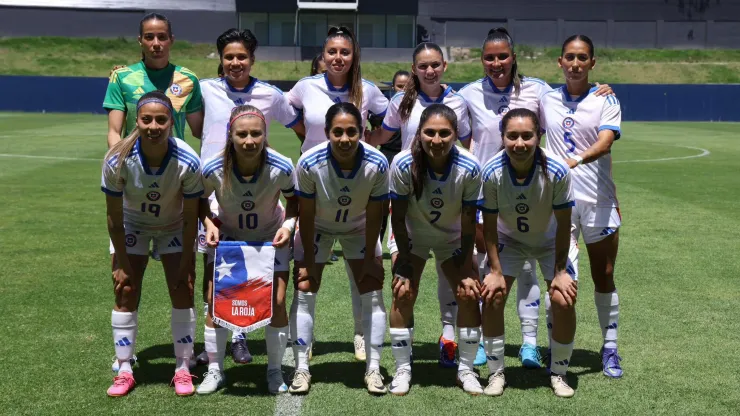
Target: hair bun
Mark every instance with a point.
(498, 30)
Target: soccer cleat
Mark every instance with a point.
(374, 382)
(275, 382)
(610, 360)
(155, 253)
(115, 366)
(122, 385)
(468, 380)
(447, 350)
(212, 381)
(334, 257)
(240, 352)
(183, 382)
(401, 382)
(201, 359)
(496, 384)
(560, 386)
(360, 348)
(301, 382)
(480, 356)
(529, 356)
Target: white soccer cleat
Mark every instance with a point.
(212, 381)
(468, 380)
(401, 382)
(275, 382)
(560, 386)
(496, 383)
(360, 348)
(374, 382)
(301, 382)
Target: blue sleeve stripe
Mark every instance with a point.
(209, 170)
(381, 161)
(561, 166)
(616, 129)
(389, 128)
(289, 190)
(298, 118)
(565, 205)
(488, 210)
(187, 157)
(398, 196)
(406, 158)
(321, 153)
(307, 164)
(305, 195)
(281, 164)
(466, 137)
(191, 196)
(476, 203)
(109, 192)
(383, 197)
(382, 113)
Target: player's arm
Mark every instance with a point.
(379, 136)
(195, 122)
(306, 220)
(116, 120)
(466, 143)
(114, 214)
(562, 281)
(602, 146)
(300, 130)
(400, 232)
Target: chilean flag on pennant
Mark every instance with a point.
(242, 279)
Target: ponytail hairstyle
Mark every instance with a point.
(123, 148)
(419, 163)
(245, 37)
(582, 38)
(229, 153)
(355, 72)
(500, 34)
(526, 113)
(411, 91)
(154, 16)
(342, 108)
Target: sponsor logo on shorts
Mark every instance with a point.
(437, 203)
(568, 123)
(248, 205)
(344, 200)
(130, 240)
(153, 196)
(176, 89)
(522, 208)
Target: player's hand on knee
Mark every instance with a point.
(493, 288)
(468, 288)
(121, 279)
(568, 288)
(282, 238)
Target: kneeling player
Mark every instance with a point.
(530, 190)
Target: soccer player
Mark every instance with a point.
(317, 64)
(341, 187)
(236, 87)
(247, 178)
(527, 205)
(436, 191)
(581, 128)
(404, 112)
(152, 184)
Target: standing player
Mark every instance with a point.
(152, 184)
(581, 128)
(247, 178)
(236, 50)
(317, 64)
(341, 187)
(342, 82)
(436, 190)
(530, 190)
(404, 112)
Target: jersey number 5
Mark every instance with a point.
(568, 139)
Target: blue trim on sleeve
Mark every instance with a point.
(617, 130)
(394, 195)
(305, 195)
(469, 135)
(383, 197)
(191, 196)
(385, 126)
(298, 118)
(565, 205)
(488, 210)
(111, 193)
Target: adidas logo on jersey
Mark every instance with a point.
(503, 100)
(186, 340)
(521, 197)
(337, 100)
(248, 193)
(174, 243)
(437, 191)
(572, 111)
(345, 189)
(154, 185)
(139, 91)
(238, 101)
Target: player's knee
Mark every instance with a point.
(558, 302)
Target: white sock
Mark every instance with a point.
(447, 304)
(125, 325)
(528, 304)
(494, 347)
(237, 336)
(215, 340)
(275, 341)
(548, 317)
(182, 323)
(356, 301)
(467, 347)
(401, 347)
(560, 357)
(373, 326)
(301, 327)
(607, 307)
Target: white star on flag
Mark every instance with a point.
(224, 269)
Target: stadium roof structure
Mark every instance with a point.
(209, 5)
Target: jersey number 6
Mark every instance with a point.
(522, 225)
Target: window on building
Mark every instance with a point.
(400, 32)
(282, 29)
(371, 31)
(312, 28)
(257, 23)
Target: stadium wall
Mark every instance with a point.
(640, 102)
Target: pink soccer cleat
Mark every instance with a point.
(123, 383)
(183, 382)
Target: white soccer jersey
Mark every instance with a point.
(393, 122)
(573, 125)
(487, 106)
(342, 196)
(314, 95)
(219, 98)
(437, 213)
(525, 209)
(152, 197)
(251, 209)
